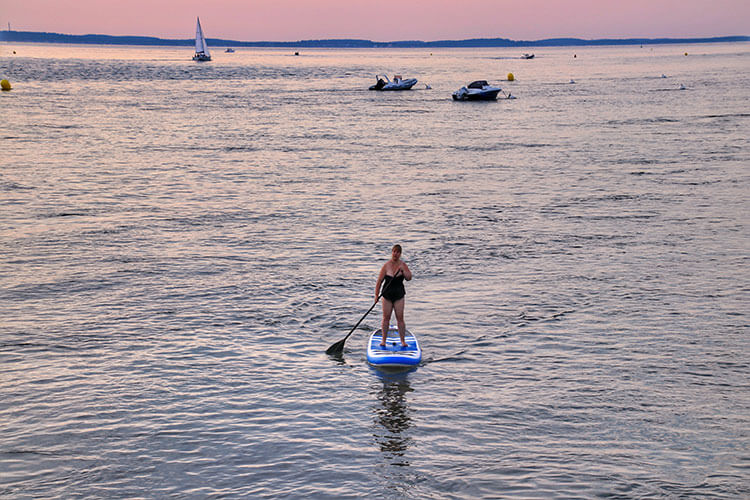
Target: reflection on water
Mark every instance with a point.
(579, 254)
(393, 419)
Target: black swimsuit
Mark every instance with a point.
(393, 288)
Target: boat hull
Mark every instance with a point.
(485, 95)
(400, 85)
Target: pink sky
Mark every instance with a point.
(383, 20)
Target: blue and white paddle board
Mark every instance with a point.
(393, 355)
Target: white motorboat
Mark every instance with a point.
(201, 49)
(479, 90)
(527, 56)
(398, 83)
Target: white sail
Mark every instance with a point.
(198, 37)
(201, 48)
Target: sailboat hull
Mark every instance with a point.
(201, 57)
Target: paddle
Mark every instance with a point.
(338, 348)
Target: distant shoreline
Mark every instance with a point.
(43, 37)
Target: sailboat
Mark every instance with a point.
(201, 49)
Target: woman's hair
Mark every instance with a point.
(396, 247)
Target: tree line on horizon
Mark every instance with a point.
(45, 37)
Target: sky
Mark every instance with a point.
(382, 20)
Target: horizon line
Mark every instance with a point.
(54, 37)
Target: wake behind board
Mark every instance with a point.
(393, 355)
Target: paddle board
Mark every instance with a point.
(393, 355)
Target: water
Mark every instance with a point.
(180, 243)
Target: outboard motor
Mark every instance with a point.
(460, 94)
(379, 85)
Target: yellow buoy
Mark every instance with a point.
(511, 77)
(5, 85)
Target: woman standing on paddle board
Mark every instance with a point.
(393, 273)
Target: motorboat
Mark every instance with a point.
(229, 50)
(398, 83)
(527, 56)
(479, 90)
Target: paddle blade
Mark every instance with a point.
(336, 349)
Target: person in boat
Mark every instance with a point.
(392, 276)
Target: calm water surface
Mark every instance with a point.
(180, 243)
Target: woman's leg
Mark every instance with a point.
(398, 308)
(387, 310)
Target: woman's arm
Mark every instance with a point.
(406, 271)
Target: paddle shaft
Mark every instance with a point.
(363, 317)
